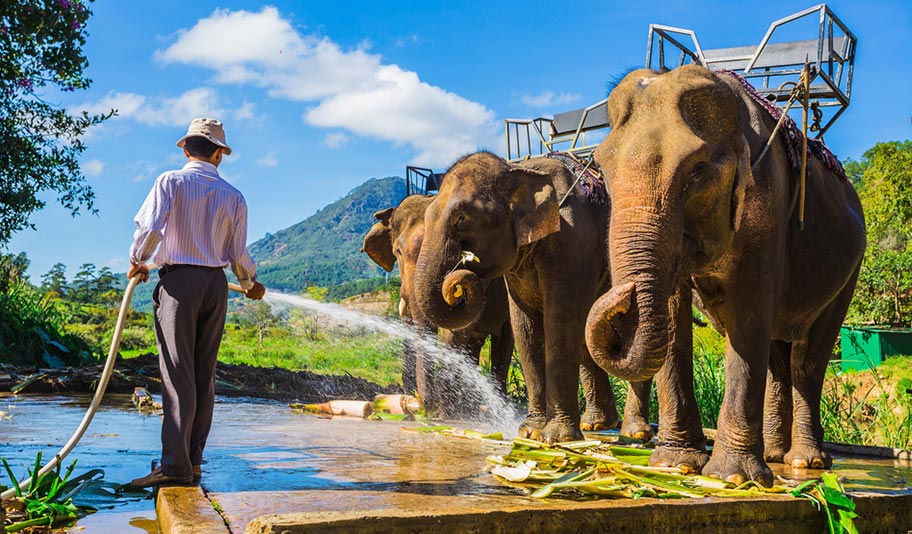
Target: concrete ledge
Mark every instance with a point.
(186, 510)
(878, 513)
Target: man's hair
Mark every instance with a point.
(200, 147)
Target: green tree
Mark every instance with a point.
(84, 284)
(258, 315)
(883, 178)
(54, 282)
(106, 291)
(12, 269)
(40, 141)
(316, 293)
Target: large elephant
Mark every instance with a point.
(694, 206)
(397, 238)
(491, 219)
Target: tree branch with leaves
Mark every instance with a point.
(40, 140)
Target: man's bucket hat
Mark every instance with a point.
(211, 129)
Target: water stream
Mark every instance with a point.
(462, 379)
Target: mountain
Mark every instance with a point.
(324, 249)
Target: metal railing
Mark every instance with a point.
(773, 67)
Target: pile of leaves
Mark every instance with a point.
(603, 469)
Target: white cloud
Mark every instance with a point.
(349, 89)
(245, 112)
(549, 98)
(405, 41)
(269, 160)
(168, 110)
(144, 171)
(336, 140)
(93, 168)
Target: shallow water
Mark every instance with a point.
(263, 457)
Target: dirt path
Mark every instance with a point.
(231, 380)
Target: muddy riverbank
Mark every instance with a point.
(231, 381)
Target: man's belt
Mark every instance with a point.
(165, 269)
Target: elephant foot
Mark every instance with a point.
(807, 456)
(738, 467)
(532, 427)
(775, 453)
(561, 429)
(690, 460)
(637, 428)
(594, 420)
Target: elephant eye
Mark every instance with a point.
(699, 172)
(461, 222)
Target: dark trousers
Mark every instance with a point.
(190, 304)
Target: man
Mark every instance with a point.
(200, 223)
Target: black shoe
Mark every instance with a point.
(159, 478)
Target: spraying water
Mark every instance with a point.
(462, 379)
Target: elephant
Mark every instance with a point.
(397, 238)
(491, 219)
(696, 207)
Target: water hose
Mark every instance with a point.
(99, 391)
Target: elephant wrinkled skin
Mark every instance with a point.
(507, 218)
(690, 211)
(397, 238)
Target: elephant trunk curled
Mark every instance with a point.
(450, 298)
(627, 328)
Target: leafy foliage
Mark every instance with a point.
(48, 499)
(883, 178)
(33, 330)
(40, 142)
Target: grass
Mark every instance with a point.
(373, 357)
(870, 407)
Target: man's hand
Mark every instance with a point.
(138, 269)
(256, 292)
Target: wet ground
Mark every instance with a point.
(263, 458)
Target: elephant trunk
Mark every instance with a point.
(627, 328)
(448, 299)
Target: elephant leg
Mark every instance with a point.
(777, 407)
(681, 442)
(601, 406)
(426, 372)
(808, 373)
(528, 334)
(457, 397)
(636, 411)
(501, 356)
(564, 349)
(409, 382)
(738, 452)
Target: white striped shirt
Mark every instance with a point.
(198, 218)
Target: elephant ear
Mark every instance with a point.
(742, 176)
(533, 203)
(378, 243)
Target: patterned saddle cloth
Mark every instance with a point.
(792, 133)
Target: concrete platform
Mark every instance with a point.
(272, 471)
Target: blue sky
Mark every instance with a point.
(318, 97)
